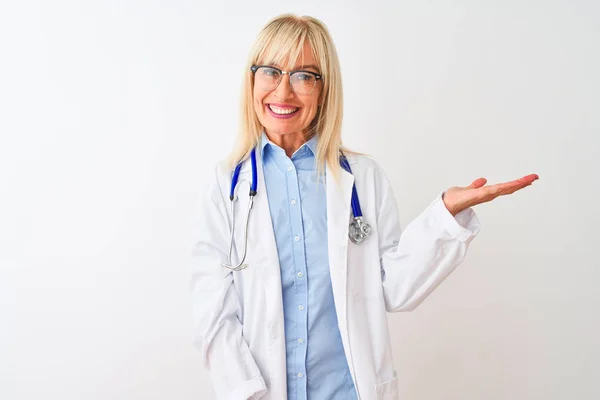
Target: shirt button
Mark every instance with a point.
(300, 307)
(297, 238)
(293, 202)
(300, 375)
(300, 274)
(290, 168)
(300, 340)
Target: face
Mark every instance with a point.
(282, 111)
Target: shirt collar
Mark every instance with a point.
(264, 141)
(311, 144)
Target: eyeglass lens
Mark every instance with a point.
(269, 78)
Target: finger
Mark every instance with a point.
(477, 183)
(501, 189)
(528, 179)
(520, 183)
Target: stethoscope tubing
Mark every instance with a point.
(356, 210)
(359, 230)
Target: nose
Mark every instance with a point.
(284, 91)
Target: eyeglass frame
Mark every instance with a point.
(317, 76)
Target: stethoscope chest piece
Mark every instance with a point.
(358, 230)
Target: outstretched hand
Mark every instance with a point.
(459, 198)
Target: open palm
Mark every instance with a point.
(459, 198)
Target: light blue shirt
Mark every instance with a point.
(316, 364)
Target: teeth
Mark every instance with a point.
(283, 111)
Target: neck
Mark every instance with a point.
(290, 142)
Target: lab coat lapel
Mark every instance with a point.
(262, 230)
(339, 195)
(263, 250)
(263, 269)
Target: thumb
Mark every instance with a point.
(477, 183)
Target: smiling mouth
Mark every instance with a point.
(283, 110)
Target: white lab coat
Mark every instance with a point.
(239, 315)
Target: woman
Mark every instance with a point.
(295, 308)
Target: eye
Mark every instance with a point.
(270, 72)
(304, 77)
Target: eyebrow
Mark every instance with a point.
(304, 67)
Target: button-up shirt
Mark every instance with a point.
(316, 362)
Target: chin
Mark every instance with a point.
(283, 130)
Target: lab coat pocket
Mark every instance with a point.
(387, 390)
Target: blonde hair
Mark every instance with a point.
(283, 39)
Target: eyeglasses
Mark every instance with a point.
(268, 78)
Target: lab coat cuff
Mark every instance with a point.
(463, 226)
(253, 389)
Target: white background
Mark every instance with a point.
(112, 114)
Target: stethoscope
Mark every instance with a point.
(358, 231)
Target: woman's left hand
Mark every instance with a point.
(459, 198)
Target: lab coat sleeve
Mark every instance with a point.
(414, 262)
(217, 308)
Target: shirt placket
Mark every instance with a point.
(300, 283)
